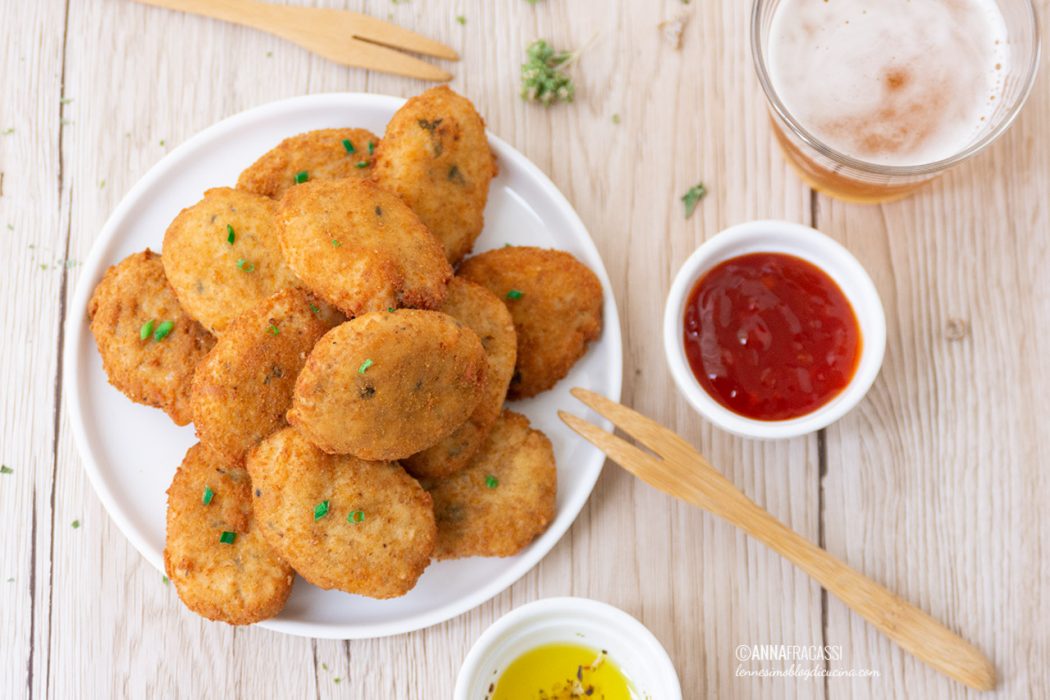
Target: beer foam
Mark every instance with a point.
(893, 82)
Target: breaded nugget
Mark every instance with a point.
(503, 500)
(435, 155)
(389, 384)
(556, 302)
(149, 345)
(362, 527)
(324, 154)
(243, 388)
(482, 312)
(360, 247)
(214, 552)
(222, 256)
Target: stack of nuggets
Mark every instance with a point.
(346, 385)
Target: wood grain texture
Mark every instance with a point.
(933, 487)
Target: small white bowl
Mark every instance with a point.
(631, 646)
(814, 247)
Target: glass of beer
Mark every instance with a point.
(870, 99)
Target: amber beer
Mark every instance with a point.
(871, 99)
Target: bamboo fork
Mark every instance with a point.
(345, 37)
(684, 473)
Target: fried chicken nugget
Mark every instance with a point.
(504, 500)
(148, 360)
(556, 302)
(214, 552)
(435, 155)
(389, 384)
(482, 312)
(362, 527)
(222, 256)
(243, 388)
(324, 154)
(360, 247)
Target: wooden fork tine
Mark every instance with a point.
(381, 58)
(620, 451)
(645, 430)
(381, 32)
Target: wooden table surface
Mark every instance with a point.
(936, 485)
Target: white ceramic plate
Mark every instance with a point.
(130, 452)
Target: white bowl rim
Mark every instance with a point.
(76, 330)
(805, 242)
(546, 608)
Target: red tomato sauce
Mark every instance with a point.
(770, 336)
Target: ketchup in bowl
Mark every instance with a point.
(770, 336)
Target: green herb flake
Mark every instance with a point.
(461, 19)
(364, 366)
(4, 469)
(692, 197)
(391, 309)
(371, 147)
(337, 680)
(8, 131)
(324, 666)
(301, 177)
(147, 329)
(163, 330)
(316, 309)
(515, 294)
(356, 516)
(336, 244)
(543, 75)
(208, 495)
(230, 235)
(75, 524)
(320, 510)
(102, 184)
(162, 143)
(227, 537)
(274, 329)
(165, 580)
(491, 481)
(361, 164)
(616, 119)
(243, 264)
(349, 145)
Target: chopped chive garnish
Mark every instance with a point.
(320, 510)
(514, 294)
(371, 147)
(164, 580)
(208, 495)
(349, 145)
(391, 309)
(336, 243)
(692, 197)
(356, 516)
(227, 537)
(316, 309)
(147, 329)
(75, 524)
(162, 330)
(274, 329)
(245, 265)
(361, 164)
(364, 366)
(4, 469)
(491, 481)
(301, 177)
(230, 235)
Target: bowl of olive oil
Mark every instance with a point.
(567, 648)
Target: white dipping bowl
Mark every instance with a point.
(814, 247)
(631, 646)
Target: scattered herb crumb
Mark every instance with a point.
(491, 481)
(616, 119)
(163, 330)
(269, 54)
(336, 243)
(324, 666)
(364, 366)
(165, 580)
(65, 100)
(361, 164)
(461, 19)
(4, 469)
(245, 265)
(162, 142)
(301, 177)
(227, 537)
(208, 495)
(274, 329)
(356, 516)
(316, 309)
(8, 131)
(371, 147)
(391, 309)
(515, 294)
(147, 329)
(692, 197)
(230, 235)
(337, 680)
(349, 145)
(75, 524)
(543, 75)
(320, 510)
(102, 184)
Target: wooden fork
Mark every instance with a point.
(684, 473)
(345, 37)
